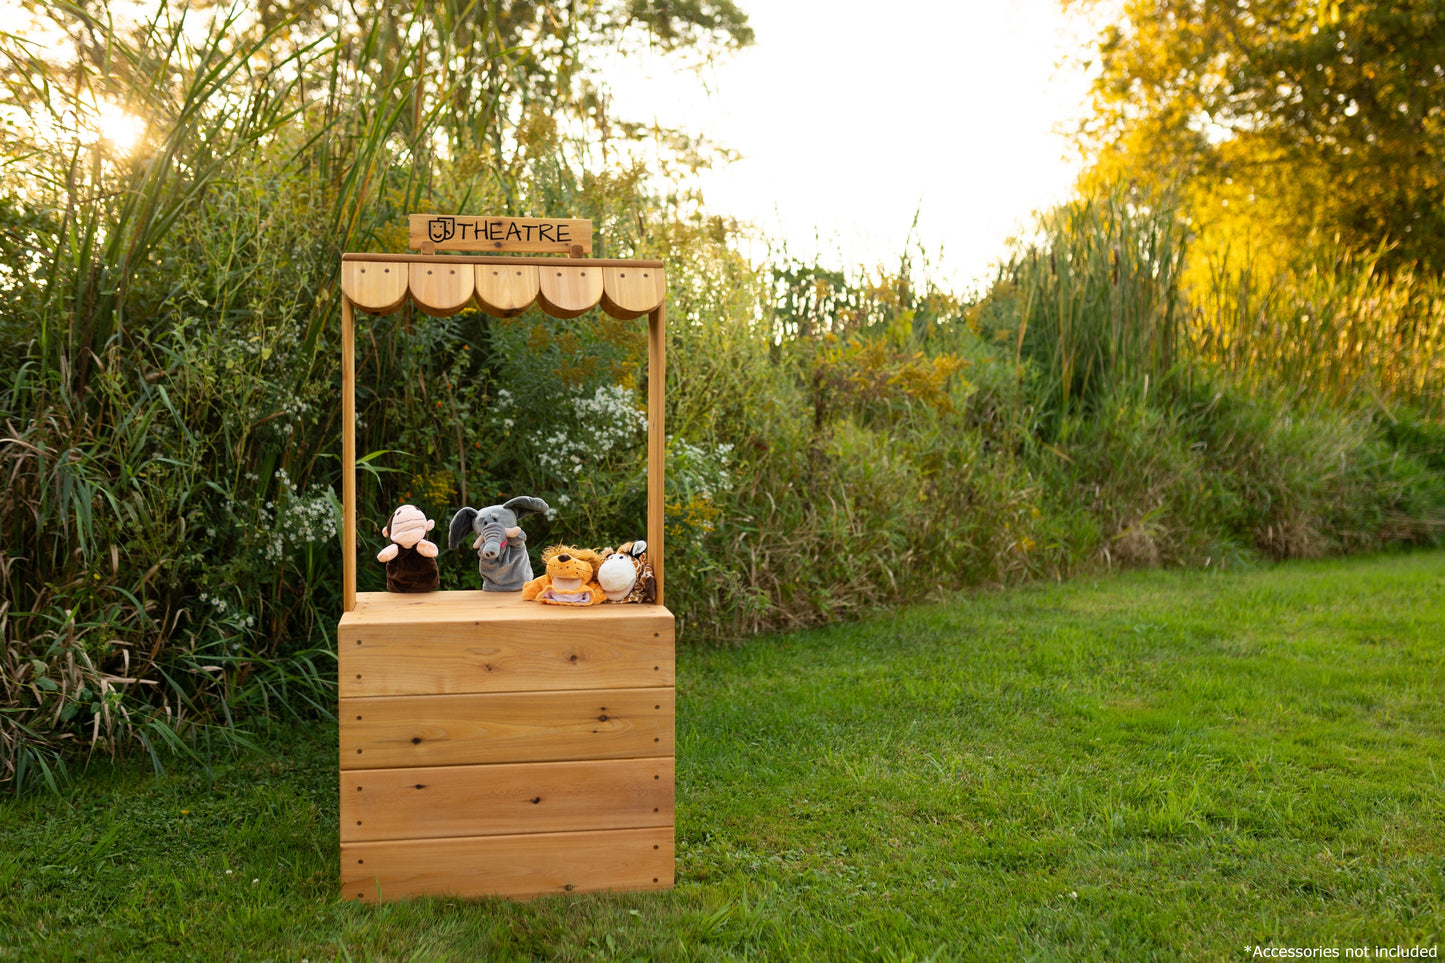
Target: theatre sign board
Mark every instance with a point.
(430, 233)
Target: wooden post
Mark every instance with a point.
(348, 456)
(656, 439)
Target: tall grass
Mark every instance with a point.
(1197, 424)
(171, 350)
(1097, 298)
(1109, 291)
(1347, 330)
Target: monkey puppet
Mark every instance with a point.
(410, 559)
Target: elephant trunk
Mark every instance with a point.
(494, 540)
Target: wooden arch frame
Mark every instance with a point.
(504, 287)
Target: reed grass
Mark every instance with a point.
(1098, 298)
(176, 336)
(1347, 330)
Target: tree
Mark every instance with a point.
(1323, 121)
(485, 63)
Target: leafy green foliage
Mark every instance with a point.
(163, 538)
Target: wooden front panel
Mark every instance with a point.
(459, 642)
(533, 865)
(506, 657)
(542, 797)
(457, 730)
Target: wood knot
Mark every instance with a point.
(416, 740)
(536, 800)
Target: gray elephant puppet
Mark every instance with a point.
(500, 543)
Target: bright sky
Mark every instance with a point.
(853, 116)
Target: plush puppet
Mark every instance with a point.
(501, 545)
(625, 574)
(410, 559)
(571, 578)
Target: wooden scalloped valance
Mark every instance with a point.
(503, 287)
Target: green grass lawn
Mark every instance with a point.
(1163, 765)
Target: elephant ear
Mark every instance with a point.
(524, 505)
(461, 526)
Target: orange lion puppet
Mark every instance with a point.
(570, 579)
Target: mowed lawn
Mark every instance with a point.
(1162, 765)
